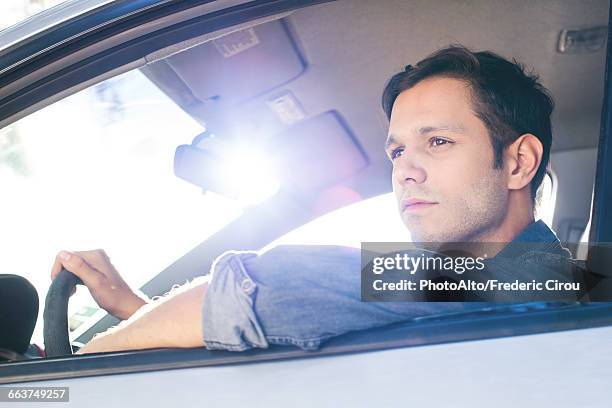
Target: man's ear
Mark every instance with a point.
(522, 160)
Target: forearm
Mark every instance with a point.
(174, 320)
(128, 306)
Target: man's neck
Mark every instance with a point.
(518, 217)
(508, 230)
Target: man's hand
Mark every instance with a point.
(107, 287)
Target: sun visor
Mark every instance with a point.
(312, 154)
(318, 152)
(239, 65)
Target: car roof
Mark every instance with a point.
(362, 43)
(352, 47)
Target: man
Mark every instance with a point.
(469, 139)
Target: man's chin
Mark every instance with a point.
(428, 237)
(419, 235)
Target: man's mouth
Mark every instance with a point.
(416, 204)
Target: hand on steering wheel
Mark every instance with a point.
(109, 290)
(106, 285)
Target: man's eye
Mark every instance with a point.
(438, 141)
(395, 153)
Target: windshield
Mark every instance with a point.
(95, 170)
(286, 135)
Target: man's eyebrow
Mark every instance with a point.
(390, 141)
(441, 128)
(427, 129)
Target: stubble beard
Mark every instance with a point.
(469, 217)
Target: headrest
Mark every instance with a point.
(18, 312)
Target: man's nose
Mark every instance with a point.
(407, 171)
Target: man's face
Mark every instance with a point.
(443, 175)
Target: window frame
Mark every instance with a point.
(601, 227)
(471, 326)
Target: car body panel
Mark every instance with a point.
(533, 370)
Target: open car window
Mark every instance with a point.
(118, 165)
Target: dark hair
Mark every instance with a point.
(508, 100)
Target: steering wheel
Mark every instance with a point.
(55, 316)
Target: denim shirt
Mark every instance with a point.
(538, 233)
(537, 253)
(302, 295)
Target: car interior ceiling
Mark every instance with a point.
(310, 58)
(331, 62)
